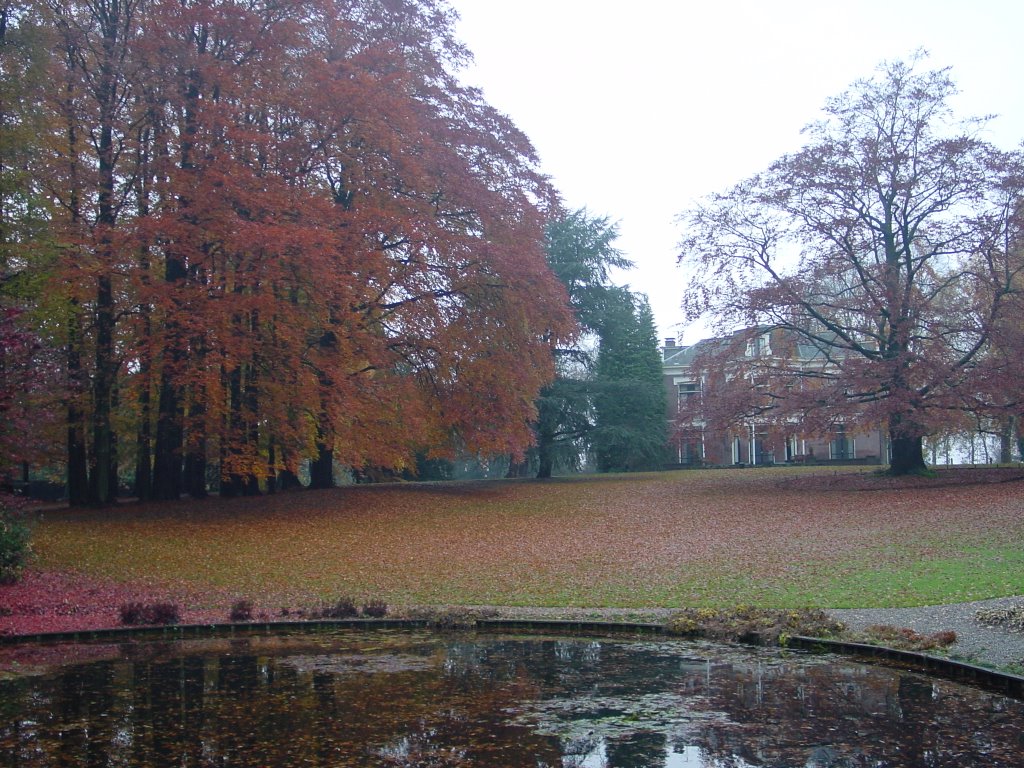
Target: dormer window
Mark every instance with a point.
(759, 346)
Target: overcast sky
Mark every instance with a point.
(638, 108)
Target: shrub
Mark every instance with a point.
(131, 613)
(241, 611)
(15, 541)
(763, 626)
(343, 608)
(375, 609)
(453, 617)
(904, 639)
(152, 614)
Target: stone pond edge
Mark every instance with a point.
(982, 677)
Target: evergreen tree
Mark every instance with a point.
(581, 253)
(630, 431)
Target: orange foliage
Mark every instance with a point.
(322, 241)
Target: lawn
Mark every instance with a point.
(771, 537)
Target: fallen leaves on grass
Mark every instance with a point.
(63, 601)
(694, 538)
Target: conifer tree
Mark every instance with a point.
(630, 431)
(581, 253)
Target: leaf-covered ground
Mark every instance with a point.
(773, 537)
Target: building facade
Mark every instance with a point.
(751, 441)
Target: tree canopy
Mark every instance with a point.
(608, 398)
(580, 249)
(630, 428)
(270, 233)
(884, 244)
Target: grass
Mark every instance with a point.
(780, 538)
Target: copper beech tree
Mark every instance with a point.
(882, 246)
(286, 232)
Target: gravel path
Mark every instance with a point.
(976, 643)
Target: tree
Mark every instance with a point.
(630, 431)
(880, 244)
(996, 394)
(581, 252)
(608, 396)
(286, 233)
(29, 376)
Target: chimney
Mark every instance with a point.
(670, 341)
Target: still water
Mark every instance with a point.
(399, 698)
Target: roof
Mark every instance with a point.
(805, 349)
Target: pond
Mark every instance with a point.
(411, 698)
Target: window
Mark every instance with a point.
(685, 390)
(759, 346)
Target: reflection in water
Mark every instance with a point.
(415, 699)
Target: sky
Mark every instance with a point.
(640, 108)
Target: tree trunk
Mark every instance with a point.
(230, 486)
(517, 468)
(545, 456)
(907, 456)
(232, 482)
(907, 439)
(279, 479)
(167, 458)
(321, 469)
(194, 481)
(287, 480)
(143, 487)
(170, 430)
(77, 454)
(78, 462)
(111, 17)
(235, 485)
(103, 485)
(242, 434)
(271, 466)
(115, 456)
(1006, 440)
(77, 449)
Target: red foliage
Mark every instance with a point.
(886, 245)
(310, 238)
(27, 381)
